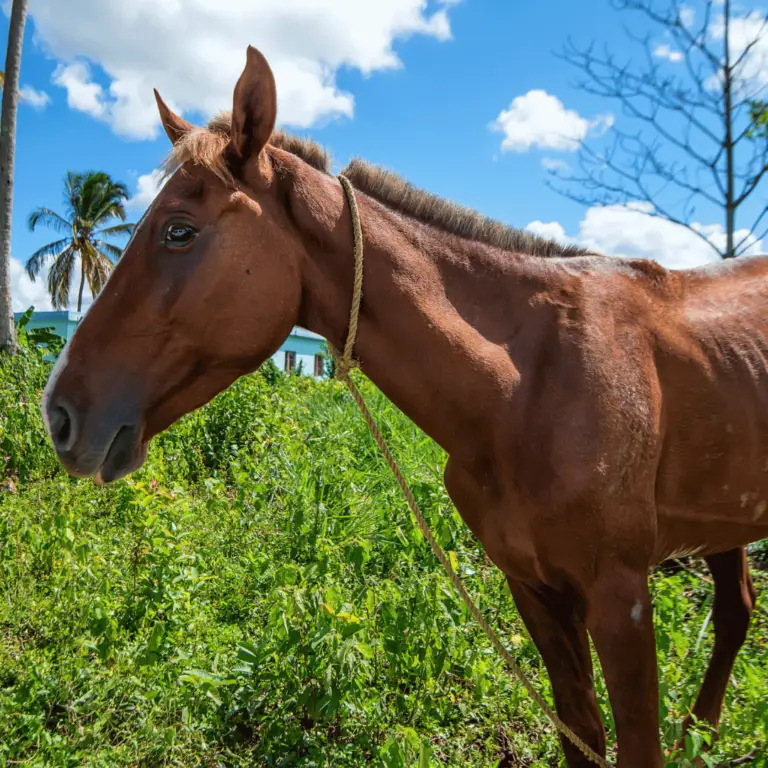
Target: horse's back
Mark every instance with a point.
(712, 362)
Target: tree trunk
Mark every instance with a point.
(7, 157)
(82, 285)
(730, 206)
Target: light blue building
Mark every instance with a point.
(302, 351)
(61, 323)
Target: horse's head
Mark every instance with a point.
(207, 289)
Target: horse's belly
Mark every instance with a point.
(711, 527)
(712, 479)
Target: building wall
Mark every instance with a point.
(304, 344)
(62, 323)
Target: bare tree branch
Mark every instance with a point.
(751, 185)
(699, 107)
(753, 228)
(618, 194)
(750, 46)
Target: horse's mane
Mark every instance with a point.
(205, 146)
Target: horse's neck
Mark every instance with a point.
(421, 338)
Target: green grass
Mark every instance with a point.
(258, 595)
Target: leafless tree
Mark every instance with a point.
(690, 98)
(7, 157)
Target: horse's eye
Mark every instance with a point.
(178, 235)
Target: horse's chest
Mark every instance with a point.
(498, 524)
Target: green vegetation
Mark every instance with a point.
(758, 114)
(92, 201)
(258, 596)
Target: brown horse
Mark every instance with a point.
(599, 414)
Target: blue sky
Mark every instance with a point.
(412, 85)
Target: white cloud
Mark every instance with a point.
(439, 26)
(194, 50)
(663, 51)
(744, 31)
(36, 99)
(25, 293)
(628, 231)
(538, 119)
(687, 15)
(82, 93)
(553, 164)
(147, 187)
(747, 30)
(552, 230)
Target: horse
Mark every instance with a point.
(599, 414)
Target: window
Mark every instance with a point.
(290, 361)
(319, 365)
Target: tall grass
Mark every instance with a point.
(258, 595)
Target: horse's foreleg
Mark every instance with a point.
(735, 597)
(620, 620)
(555, 621)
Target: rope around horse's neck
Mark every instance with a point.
(344, 364)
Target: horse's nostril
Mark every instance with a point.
(62, 427)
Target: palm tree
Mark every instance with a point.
(7, 159)
(92, 200)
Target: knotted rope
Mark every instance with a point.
(344, 364)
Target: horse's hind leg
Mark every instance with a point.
(735, 597)
(620, 620)
(555, 621)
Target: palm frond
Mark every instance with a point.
(60, 277)
(102, 178)
(37, 260)
(88, 194)
(112, 252)
(90, 190)
(48, 218)
(73, 183)
(101, 198)
(117, 229)
(120, 189)
(111, 209)
(97, 269)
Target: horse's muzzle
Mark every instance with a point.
(105, 445)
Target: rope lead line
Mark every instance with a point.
(344, 364)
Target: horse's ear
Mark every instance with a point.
(175, 126)
(254, 108)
